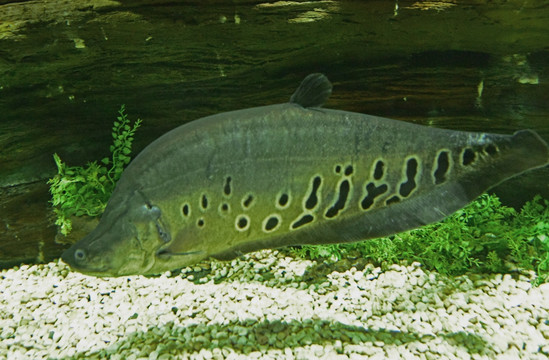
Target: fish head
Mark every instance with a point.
(125, 242)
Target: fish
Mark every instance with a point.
(290, 174)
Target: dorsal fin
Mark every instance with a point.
(313, 91)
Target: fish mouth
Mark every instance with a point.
(97, 272)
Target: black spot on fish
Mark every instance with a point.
(242, 222)
(378, 171)
(491, 149)
(225, 207)
(349, 170)
(204, 202)
(200, 222)
(271, 223)
(312, 200)
(344, 188)
(443, 164)
(392, 200)
(227, 187)
(283, 200)
(468, 157)
(411, 171)
(305, 219)
(185, 210)
(337, 169)
(248, 201)
(372, 191)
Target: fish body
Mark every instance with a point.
(290, 174)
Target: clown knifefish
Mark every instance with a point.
(290, 174)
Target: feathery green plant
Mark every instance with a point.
(485, 236)
(78, 190)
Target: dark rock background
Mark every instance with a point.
(67, 66)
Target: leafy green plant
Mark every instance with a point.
(78, 190)
(485, 236)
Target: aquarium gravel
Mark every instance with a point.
(269, 305)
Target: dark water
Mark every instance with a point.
(63, 80)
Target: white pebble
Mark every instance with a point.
(65, 317)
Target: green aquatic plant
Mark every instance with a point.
(78, 190)
(485, 236)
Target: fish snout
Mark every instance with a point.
(83, 260)
(74, 256)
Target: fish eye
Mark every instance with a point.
(80, 255)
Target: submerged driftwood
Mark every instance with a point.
(67, 66)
